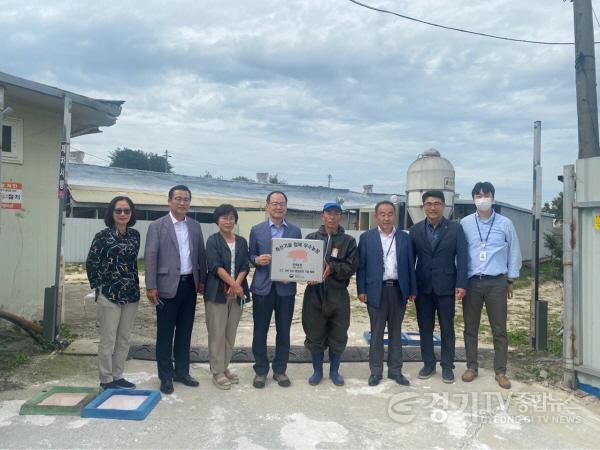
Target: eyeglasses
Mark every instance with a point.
(182, 200)
(432, 205)
(278, 204)
(119, 211)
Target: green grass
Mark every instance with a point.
(71, 268)
(555, 342)
(67, 333)
(10, 361)
(540, 374)
(549, 271)
(518, 338)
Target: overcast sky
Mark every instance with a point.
(310, 88)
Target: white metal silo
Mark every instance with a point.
(429, 172)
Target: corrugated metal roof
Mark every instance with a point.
(84, 194)
(88, 181)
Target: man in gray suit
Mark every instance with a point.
(269, 296)
(175, 271)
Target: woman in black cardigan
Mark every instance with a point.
(225, 292)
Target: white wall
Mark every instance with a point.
(28, 237)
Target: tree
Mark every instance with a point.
(138, 159)
(274, 179)
(555, 206)
(553, 240)
(242, 178)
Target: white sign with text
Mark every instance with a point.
(297, 260)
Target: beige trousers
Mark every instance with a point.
(222, 320)
(116, 322)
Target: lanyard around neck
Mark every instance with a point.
(390, 246)
(483, 243)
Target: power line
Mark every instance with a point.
(461, 30)
(90, 154)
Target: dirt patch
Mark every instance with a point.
(80, 316)
(22, 361)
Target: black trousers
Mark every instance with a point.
(262, 311)
(325, 319)
(427, 305)
(175, 318)
(391, 313)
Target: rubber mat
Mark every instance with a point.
(298, 354)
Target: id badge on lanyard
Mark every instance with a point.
(482, 252)
(482, 243)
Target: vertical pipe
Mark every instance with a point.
(2, 91)
(536, 214)
(568, 244)
(585, 79)
(405, 219)
(59, 274)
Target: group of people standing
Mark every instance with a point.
(434, 264)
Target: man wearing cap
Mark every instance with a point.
(326, 306)
(269, 296)
(442, 259)
(385, 281)
(494, 262)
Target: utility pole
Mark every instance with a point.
(167, 156)
(538, 309)
(585, 79)
(329, 178)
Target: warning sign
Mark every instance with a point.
(12, 195)
(597, 221)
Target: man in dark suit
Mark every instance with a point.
(175, 271)
(269, 296)
(385, 282)
(442, 260)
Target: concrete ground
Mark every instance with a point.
(428, 414)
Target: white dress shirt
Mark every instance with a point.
(183, 239)
(232, 249)
(388, 244)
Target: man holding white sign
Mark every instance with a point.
(268, 295)
(326, 306)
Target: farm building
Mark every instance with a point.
(92, 187)
(38, 122)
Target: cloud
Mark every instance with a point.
(310, 88)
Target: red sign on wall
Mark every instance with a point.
(11, 194)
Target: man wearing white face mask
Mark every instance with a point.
(494, 263)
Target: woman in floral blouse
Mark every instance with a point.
(112, 271)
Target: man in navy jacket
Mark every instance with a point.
(385, 282)
(269, 296)
(442, 261)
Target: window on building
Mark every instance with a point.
(153, 215)
(84, 213)
(12, 140)
(202, 217)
